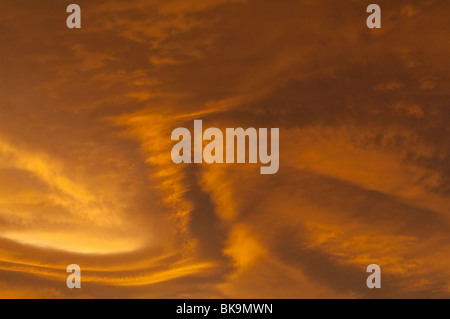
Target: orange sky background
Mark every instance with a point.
(86, 175)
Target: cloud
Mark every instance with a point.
(86, 175)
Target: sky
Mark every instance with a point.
(86, 175)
